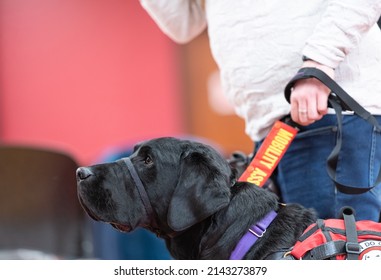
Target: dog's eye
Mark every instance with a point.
(148, 160)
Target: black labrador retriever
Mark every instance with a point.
(187, 193)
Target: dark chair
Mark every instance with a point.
(39, 208)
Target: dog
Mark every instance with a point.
(187, 193)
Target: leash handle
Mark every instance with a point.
(269, 153)
(338, 94)
(339, 100)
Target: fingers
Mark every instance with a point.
(308, 101)
(322, 104)
(299, 111)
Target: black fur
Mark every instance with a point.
(201, 211)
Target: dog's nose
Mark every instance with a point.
(83, 173)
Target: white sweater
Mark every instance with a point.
(258, 45)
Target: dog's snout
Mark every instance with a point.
(83, 173)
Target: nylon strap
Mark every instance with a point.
(251, 236)
(337, 92)
(352, 247)
(151, 214)
(327, 250)
(269, 154)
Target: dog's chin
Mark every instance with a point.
(122, 228)
(87, 210)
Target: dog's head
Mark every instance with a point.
(184, 181)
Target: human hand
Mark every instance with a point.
(309, 97)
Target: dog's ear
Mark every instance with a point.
(203, 189)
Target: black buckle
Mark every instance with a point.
(352, 248)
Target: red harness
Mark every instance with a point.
(339, 239)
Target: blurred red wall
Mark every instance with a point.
(84, 75)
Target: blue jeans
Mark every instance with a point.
(302, 176)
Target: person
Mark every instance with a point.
(259, 46)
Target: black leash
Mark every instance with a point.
(338, 100)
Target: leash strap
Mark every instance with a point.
(338, 94)
(338, 100)
(269, 153)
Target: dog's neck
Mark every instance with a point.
(186, 245)
(216, 237)
(247, 207)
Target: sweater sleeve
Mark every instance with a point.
(181, 20)
(340, 30)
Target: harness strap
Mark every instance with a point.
(352, 246)
(282, 254)
(330, 249)
(308, 233)
(251, 236)
(326, 251)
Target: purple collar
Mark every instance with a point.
(251, 236)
